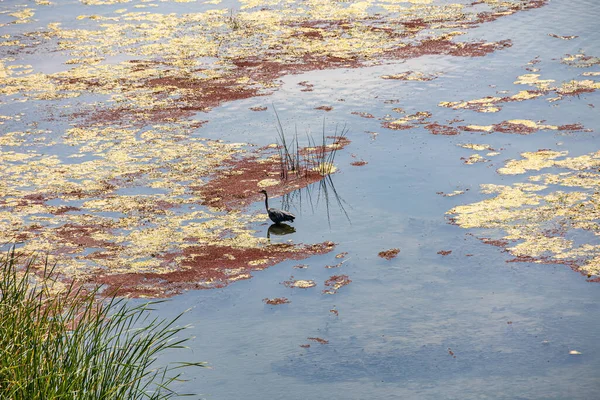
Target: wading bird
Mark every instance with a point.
(275, 214)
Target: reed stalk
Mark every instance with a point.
(301, 161)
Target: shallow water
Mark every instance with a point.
(467, 325)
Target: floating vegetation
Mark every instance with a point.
(475, 146)
(491, 104)
(363, 114)
(569, 37)
(254, 46)
(339, 264)
(477, 158)
(542, 88)
(389, 254)
(410, 76)
(106, 171)
(522, 127)
(276, 301)
(474, 159)
(438, 129)
(407, 122)
(324, 108)
(335, 283)
(300, 283)
(453, 193)
(550, 219)
(580, 60)
(318, 340)
(259, 108)
(334, 265)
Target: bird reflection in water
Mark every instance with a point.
(280, 230)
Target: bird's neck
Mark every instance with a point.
(266, 201)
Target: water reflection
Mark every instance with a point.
(280, 230)
(322, 191)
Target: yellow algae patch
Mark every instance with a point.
(410, 76)
(574, 87)
(580, 60)
(533, 80)
(475, 158)
(525, 95)
(405, 122)
(583, 162)
(301, 283)
(534, 161)
(531, 124)
(453, 193)
(4, 71)
(542, 220)
(336, 282)
(485, 105)
(531, 161)
(538, 245)
(480, 128)
(268, 182)
(258, 262)
(304, 284)
(525, 122)
(474, 146)
(494, 212)
(569, 37)
(23, 16)
(325, 168)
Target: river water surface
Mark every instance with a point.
(458, 313)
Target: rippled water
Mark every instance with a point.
(467, 325)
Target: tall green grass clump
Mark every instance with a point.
(69, 344)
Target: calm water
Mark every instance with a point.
(421, 326)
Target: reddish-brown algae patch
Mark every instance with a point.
(389, 254)
(276, 301)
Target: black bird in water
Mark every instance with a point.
(276, 215)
